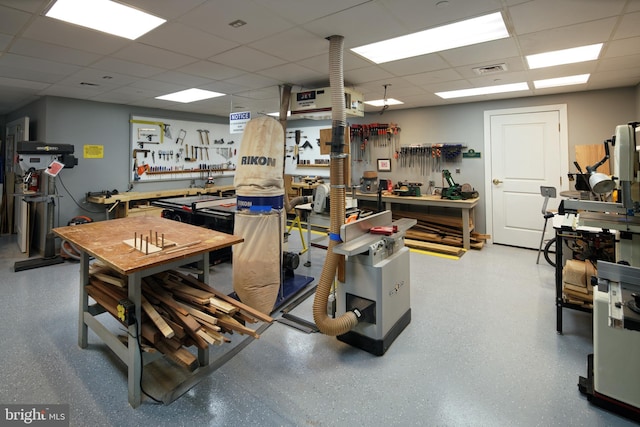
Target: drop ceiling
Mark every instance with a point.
(284, 42)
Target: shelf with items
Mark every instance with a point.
(169, 172)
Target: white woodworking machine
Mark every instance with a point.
(613, 380)
(377, 280)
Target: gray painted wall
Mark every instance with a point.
(592, 118)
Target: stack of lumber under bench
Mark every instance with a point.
(178, 311)
(438, 233)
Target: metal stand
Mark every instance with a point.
(50, 257)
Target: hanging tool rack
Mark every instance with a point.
(374, 135)
(428, 158)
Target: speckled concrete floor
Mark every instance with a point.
(481, 350)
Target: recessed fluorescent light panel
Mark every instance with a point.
(383, 102)
(564, 56)
(190, 95)
(472, 31)
(513, 87)
(561, 81)
(106, 16)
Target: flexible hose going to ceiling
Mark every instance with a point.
(344, 323)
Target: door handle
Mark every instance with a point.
(496, 181)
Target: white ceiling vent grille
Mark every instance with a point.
(490, 69)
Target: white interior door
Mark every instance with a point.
(527, 149)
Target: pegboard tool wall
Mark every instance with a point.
(164, 149)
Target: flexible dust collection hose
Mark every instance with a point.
(343, 324)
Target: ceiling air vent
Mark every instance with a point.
(490, 69)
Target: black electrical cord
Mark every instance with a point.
(137, 337)
(74, 200)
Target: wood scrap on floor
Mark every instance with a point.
(444, 231)
(178, 311)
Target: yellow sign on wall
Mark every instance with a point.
(93, 151)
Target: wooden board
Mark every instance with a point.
(434, 247)
(589, 155)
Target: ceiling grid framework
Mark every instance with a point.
(284, 41)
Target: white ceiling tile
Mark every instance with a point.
(629, 26)
(182, 79)
(19, 66)
(284, 41)
(71, 91)
(266, 93)
(300, 12)
(57, 32)
(24, 84)
(214, 17)
(623, 77)
(52, 52)
(417, 64)
(231, 86)
(5, 39)
(12, 20)
(293, 73)
(167, 9)
(161, 88)
(249, 81)
(149, 55)
(184, 40)
(432, 77)
(417, 15)
(126, 67)
(567, 37)
(210, 70)
(247, 59)
(102, 78)
(630, 46)
(484, 52)
(293, 45)
(541, 15)
(367, 74)
(620, 62)
(360, 25)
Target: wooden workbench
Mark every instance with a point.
(104, 241)
(466, 207)
(123, 200)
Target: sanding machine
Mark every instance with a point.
(377, 280)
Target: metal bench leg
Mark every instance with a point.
(544, 229)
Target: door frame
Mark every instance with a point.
(488, 173)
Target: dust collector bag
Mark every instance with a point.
(258, 178)
(256, 261)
